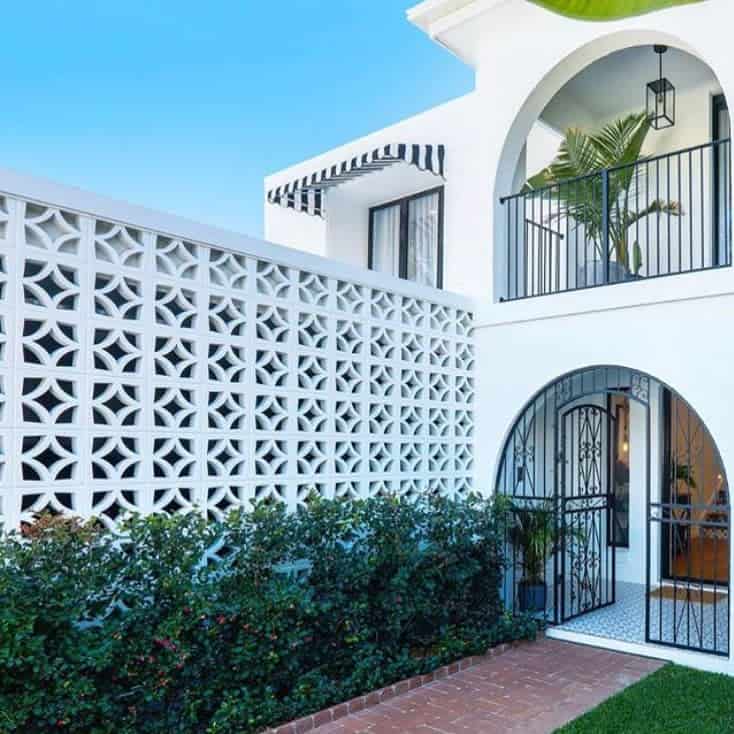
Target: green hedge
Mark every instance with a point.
(144, 634)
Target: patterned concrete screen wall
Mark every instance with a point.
(143, 371)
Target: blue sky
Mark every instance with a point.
(185, 106)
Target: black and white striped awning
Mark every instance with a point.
(307, 194)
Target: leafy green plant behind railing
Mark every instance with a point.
(608, 9)
(583, 158)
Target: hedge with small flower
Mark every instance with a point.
(177, 625)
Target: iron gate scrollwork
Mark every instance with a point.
(560, 462)
(587, 560)
(690, 529)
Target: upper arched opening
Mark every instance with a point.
(594, 87)
(614, 86)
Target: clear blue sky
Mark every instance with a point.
(185, 106)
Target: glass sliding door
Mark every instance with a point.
(423, 239)
(406, 238)
(385, 246)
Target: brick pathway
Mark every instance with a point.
(531, 689)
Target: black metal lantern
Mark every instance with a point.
(661, 97)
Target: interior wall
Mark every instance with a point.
(538, 152)
(631, 564)
(541, 147)
(585, 101)
(563, 112)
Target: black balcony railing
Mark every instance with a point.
(663, 215)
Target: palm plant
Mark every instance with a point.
(535, 530)
(535, 533)
(582, 157)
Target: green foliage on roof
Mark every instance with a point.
(608, 9)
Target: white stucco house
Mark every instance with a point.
(602, 303)
(426, 323)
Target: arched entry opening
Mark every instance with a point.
(618, 512)
(608, 217)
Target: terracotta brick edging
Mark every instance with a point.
(339, 711)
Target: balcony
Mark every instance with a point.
(659, 216)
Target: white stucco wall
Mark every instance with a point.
(631, 560)
(293, 229)
(347, 226)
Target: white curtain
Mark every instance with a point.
(423, 240)
(386, 240)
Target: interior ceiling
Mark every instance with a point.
(616, 83)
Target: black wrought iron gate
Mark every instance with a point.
(557, 472)
(688, 536)
(587, 560)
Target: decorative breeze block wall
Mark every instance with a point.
(141, 372)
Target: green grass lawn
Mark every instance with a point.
(672, 700)
(608, 9)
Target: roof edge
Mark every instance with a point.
(435, 16)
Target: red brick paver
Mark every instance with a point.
(531, 689)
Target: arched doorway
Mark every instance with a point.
(618, 512)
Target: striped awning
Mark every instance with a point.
(307, 194)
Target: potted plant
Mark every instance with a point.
(534, 531)
(617, 146)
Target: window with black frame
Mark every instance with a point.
(406, 238)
